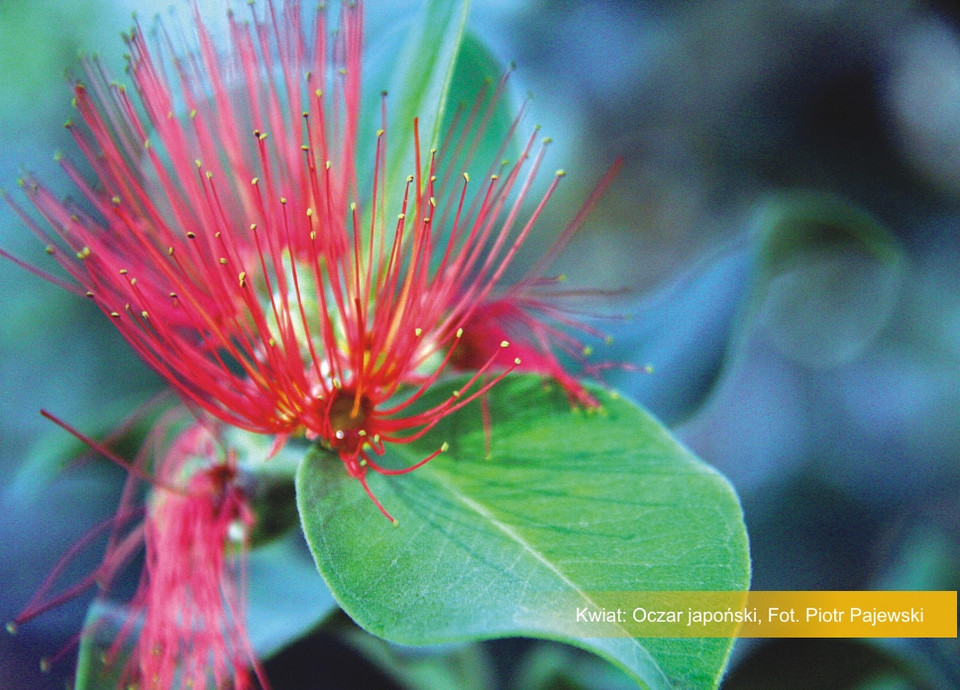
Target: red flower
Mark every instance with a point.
(185, 626)
(204, 196)
(231, 246)
(530, 315)
(190, 629)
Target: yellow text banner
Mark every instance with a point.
(892, 614)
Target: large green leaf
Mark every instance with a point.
(568, 502)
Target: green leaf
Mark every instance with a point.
(479, 112)
(827, 277)
(419, 668)
(419, 84)
(568, 502)
(551, 666)
(797, 664)
(824, 280)
(286, 598)
(104, 620)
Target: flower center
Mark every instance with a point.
(347, 415)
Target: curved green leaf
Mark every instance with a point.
(827, 277)
(286, 599)
(568, 502)
(104, 621)
(823, 282)
(418, 668)
(479, 114)
(419, 84)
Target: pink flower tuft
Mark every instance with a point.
(188, 613)
(185, 626)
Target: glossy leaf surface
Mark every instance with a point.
(568, 501)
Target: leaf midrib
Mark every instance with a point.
(508, 531)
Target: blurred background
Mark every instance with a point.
(783, 240)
